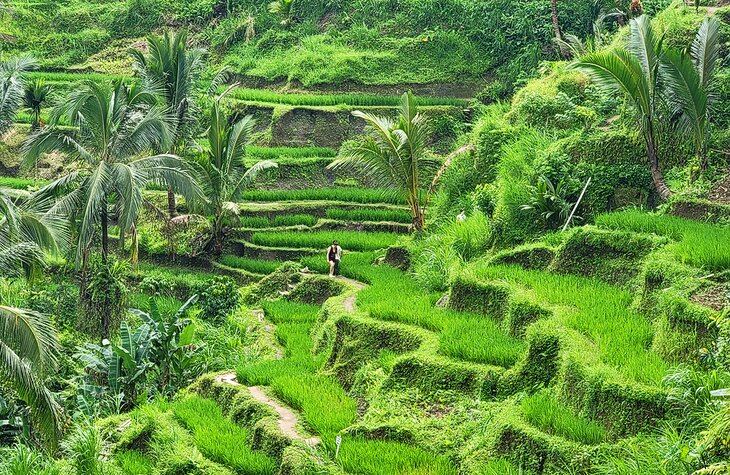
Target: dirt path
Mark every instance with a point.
(287, 418)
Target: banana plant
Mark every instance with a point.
(122, 368)
(171, 343)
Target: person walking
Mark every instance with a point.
(334, 254)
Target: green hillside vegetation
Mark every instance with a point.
(532, 201)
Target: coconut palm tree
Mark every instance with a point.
(690, 85)
(12, 89)
(393, 155)
(28, 342)
(115, 127)
(223, 174)
(173, 69)
(35, 97)
(635, 72)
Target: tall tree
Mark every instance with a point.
(114, 128)
(223, 174)
(393, 155)
(12, 89)
(173, 69)
(635, 72)
(35, 97)
(28, 342)
(690, 85)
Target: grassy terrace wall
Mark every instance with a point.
(330, 126)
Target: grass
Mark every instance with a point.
(133, 463)
(256, 222)
(219, 438)
(251, 265)
(374, 215)
(349, 240)
(274, 153)
(352, 195)
(548, 414)
(326, 407)
(380, 457)
(481, 340)
(20, 183)
(598, 310)
(320, 100)
(699, 244)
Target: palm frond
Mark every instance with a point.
(705, 50)
(45, 412)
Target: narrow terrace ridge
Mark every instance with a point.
(287, 418)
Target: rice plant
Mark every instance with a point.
(480, 339)
(258, 222)
(219, 438)
(699, 244)
(274, 153)
(384, 457)
(19, 183)
(349, 240)
(251, 265)
(326, 407)
(548, 414)
(320, 100)
(369, 214)
(133, 463)
(350, 195)
(622, 337)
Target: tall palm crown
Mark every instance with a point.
(35, 96)
(634, 72)
(115, 127)
(28, 342)
(12, 89)
(393, 155)
(173, 70)
(223, 174)
(652, 76)
(690, 84)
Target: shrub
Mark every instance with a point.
(218, 298)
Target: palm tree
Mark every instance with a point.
(393, 155)
(635, 72)
(35, 97)
(115, 126)
(223, 174)
(12, 89)
(28, 342)
(690, 87)
(173, 70)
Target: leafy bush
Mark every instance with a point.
(104, 300)
(218, 298)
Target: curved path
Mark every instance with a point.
(287, 417)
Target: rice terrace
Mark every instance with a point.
(374, 237)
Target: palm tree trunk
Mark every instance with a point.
(656, 173)
(556, 23)
(104, 232)
(135, 247)
(171, 203)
